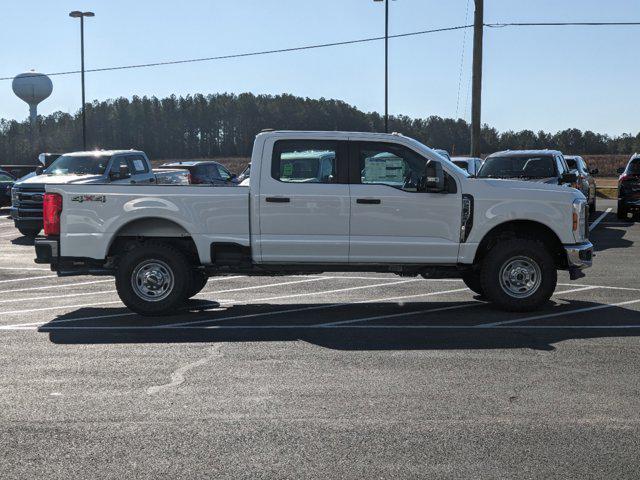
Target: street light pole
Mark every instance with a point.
(81, 15)
(386, 64)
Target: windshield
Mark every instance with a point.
(634, 167)
(520, 166)
(79, 165)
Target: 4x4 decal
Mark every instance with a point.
(89, 198)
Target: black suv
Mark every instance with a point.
(629, 188)
(206, 172)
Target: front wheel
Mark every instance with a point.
(153, 279)
(518, 275)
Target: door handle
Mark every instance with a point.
(369, 201)
(278, 199)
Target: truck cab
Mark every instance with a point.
(318, 202)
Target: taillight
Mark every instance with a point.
(51, 209)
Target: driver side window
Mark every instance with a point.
(392, 165)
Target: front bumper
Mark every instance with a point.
(579, 257)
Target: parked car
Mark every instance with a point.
(6, 182)
(100, 166)
(172, 176)
(586, 183)
(542, 166)
(470, 164)
(387, 204)
(206, 172)
(629, 188)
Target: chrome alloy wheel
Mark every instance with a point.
(520, 277)
(152, 280)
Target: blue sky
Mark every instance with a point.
(537, 78)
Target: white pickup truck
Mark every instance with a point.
(381, 203)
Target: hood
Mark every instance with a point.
(526, 188)
(44, 179)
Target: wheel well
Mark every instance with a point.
(523, 229)
(139, 231)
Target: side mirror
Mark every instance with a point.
(433, 180)
(39, 170)
(120, 173)
(595, 171)
(620, 170)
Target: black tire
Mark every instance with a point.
(518, 252)
(592, 206)
(472, 280)
(29, 232)
(198, 282)
(162, 262)
(622, 211)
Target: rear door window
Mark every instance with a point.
(306, 161)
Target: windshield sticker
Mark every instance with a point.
(89, 198)
(138, 166)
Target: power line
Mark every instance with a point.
(561, 24)
(254, 54)
(332, 44)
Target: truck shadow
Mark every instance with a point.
(609, 236)
(457, 328)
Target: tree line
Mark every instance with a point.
(209, 126)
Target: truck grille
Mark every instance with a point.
(28, 200)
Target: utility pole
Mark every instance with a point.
(81, 15)
(386, 64)
(476, 94)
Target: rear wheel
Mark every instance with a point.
(154, 279)
(29, 232)
(518, 275)
(472, 280)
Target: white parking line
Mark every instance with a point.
(26, 268)
(27, 278)
(300, 295)
(53, 324)
(595, 223)
(431, 310)
(103, 292)
(345, 327)
(403, 314)
(58, 285)
(4, 327)
(559, 314)
(59, 307)
(48, 297)
(600, 286)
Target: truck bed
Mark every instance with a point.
(93, 215)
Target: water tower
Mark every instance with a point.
(33, 88)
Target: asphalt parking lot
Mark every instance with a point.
(339, 375)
